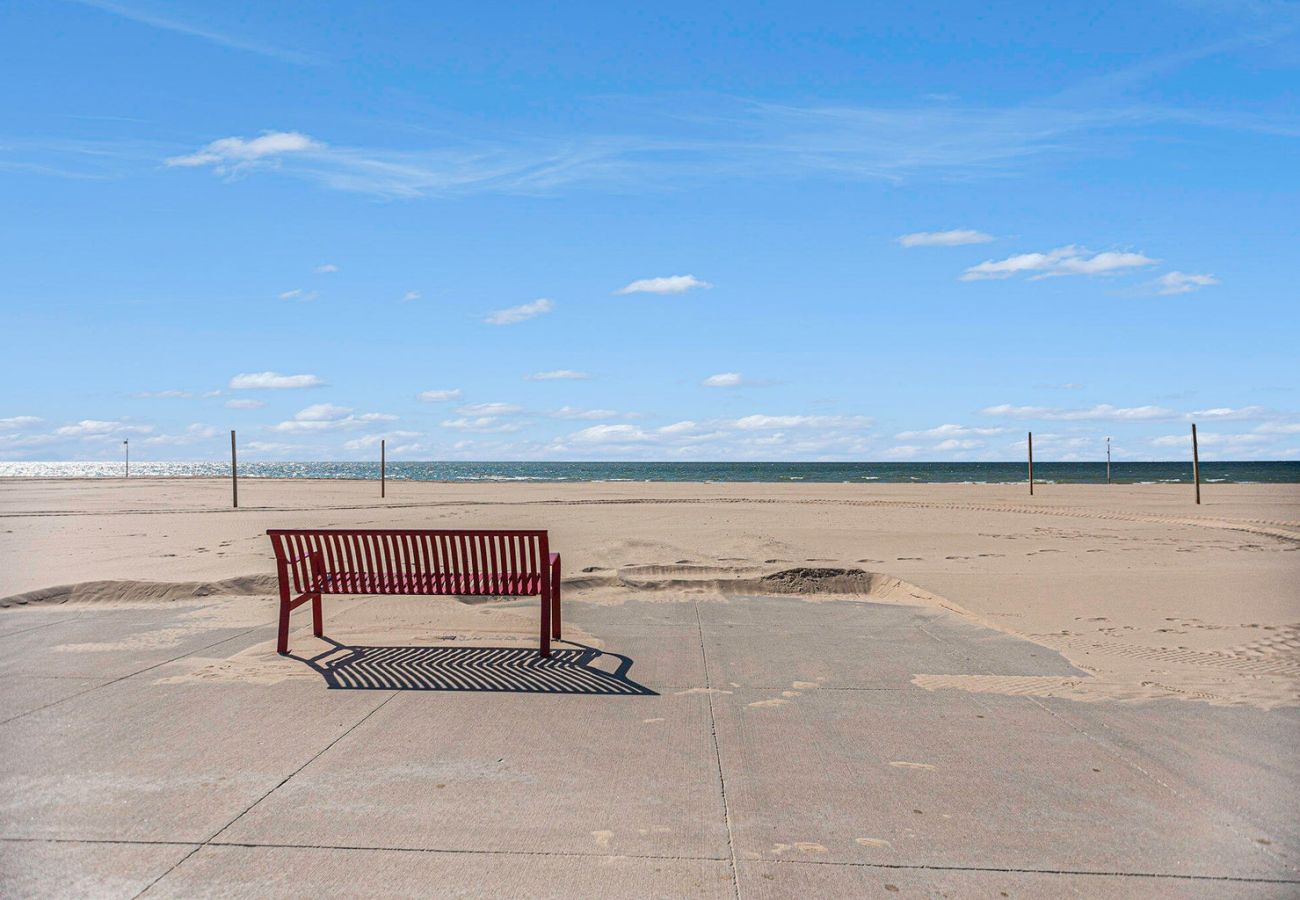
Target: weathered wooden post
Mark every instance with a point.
(1031, 464)
(382, 472)
(234, 473)
(1108, 460)
(1196, 466)
(126, 448)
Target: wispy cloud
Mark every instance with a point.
(165, 395)
(1183, 282)
(206, 34)
(300, 295)
(955, 238)
(252, 381)
(1102, 412)
(20, 421)
(244, 403)
(490, 409)
(410, 296)
(724, 380)
(327, 269)
(441, 395)
(733, 139)
(558, 375)
(484, 424)
(950, 431)
(1071, 260)
(669, 284)
(229, 155)
(328, 417)
(575, 412)
(100, 428)
(520, 313)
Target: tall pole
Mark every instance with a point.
(234, 473)
(126, 448)
(382, 473)
(1196, 465)
(1108, 460)
(1031, 464)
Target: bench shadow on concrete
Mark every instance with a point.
(514, 670)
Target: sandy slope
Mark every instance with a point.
(1153, 596)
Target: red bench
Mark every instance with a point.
(312, 562)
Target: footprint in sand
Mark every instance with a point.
(603, 838)
(775, 701)
(902, 764)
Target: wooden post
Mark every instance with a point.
(126, 448)
(1031, 464)
(382, 473)
(1108, 460)
(234, 472)
(1196, 465)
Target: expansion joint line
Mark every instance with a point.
(717, 756)
(220, 831)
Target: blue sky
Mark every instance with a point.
(769, 231)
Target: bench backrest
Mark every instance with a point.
(409, 557)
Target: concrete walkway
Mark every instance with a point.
(759, 747)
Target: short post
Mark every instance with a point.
(1031, 464)
(1108, 460)
(126, 448)
(234, 472)
(382, 472)
(1196, 466)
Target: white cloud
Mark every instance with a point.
(610, 434)
(194, 434)
(955, 238)
(1209, 439)
(234, 153)
(440, 396)
(1279, 428)
(520, 313)
(481, 424)
(723, 379)
(327, 269)
(490, 409)
(372, 440)
(575, 412)
(410, 296)
(762, 422)
(949, 431)
(268, 447)
(684, 427)
(252, 381)
(98, 428)
(300, 294)
(244, 403)
(1183, 282)
(903, 451)
(1071, 260)
(670, 284)
(1228, 412)
(1102, 412)
(328, 417)
(20, 421)
(169, 394)
(558, 375)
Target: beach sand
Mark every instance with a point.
(1150, 595)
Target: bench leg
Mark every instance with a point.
(544, 648)
(282, 642)
(555, 600)
(317, 618)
